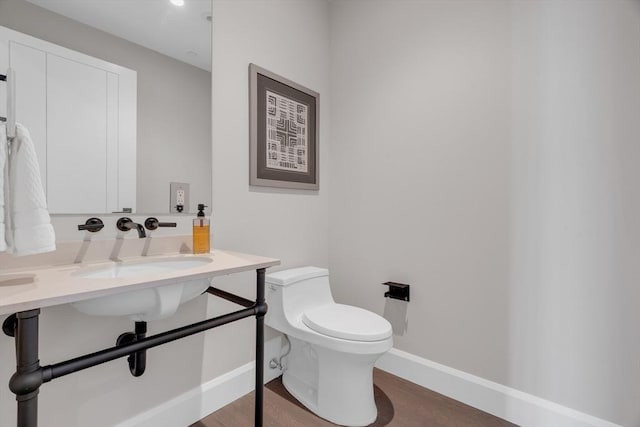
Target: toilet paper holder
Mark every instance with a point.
(397, 291)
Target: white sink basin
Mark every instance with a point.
(16, 279)
(144, 304)
(139, 268)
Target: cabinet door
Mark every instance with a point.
(77, 132)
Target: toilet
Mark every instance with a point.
(329, 367)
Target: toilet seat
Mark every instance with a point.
(347, 322)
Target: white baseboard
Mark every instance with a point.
(512, 405)
(199, 402)
(207, 398)
(515, 406)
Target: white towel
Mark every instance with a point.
(30, 230)
(3, 181)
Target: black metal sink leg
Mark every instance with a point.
(261, 310)
(28, 378)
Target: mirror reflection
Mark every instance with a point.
(168, 47)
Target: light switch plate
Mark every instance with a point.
(178, 196)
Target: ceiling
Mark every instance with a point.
(181, 32)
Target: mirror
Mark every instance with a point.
(169, 47)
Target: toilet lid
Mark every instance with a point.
(347, 322)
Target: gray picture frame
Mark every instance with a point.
(261, 80)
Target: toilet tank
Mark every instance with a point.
(290, 292)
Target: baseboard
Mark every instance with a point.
(515, 406)
(512, 405)
(207, 398)
(199, 402)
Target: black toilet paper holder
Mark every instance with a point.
(397, 291)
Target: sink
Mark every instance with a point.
(144, 304)
(16, 279)
(139, 268)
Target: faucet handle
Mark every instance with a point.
(122, 223)
(152, 223)
(92, 224)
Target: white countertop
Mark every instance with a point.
(26, 289)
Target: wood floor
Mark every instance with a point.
(400, 404)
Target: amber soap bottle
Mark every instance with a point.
(201, 235)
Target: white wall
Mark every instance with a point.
(420, 188)
(574, 205)
(287, 224)
(488, 157)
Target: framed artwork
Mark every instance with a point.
(284, 140)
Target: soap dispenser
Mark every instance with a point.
(201, 232)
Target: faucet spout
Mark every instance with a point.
(126, 224)
(141, 233)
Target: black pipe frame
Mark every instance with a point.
(29, 376)
(230, 297)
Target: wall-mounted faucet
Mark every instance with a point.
(126, 224)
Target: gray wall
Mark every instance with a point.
(174, 103)
(488, 156)
(288, 224)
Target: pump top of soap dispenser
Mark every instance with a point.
(201, 207)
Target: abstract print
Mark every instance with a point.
(287, 143)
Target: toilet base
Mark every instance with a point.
(334, 385)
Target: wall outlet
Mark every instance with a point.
(178, 197)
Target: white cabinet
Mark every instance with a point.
(81, 113)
